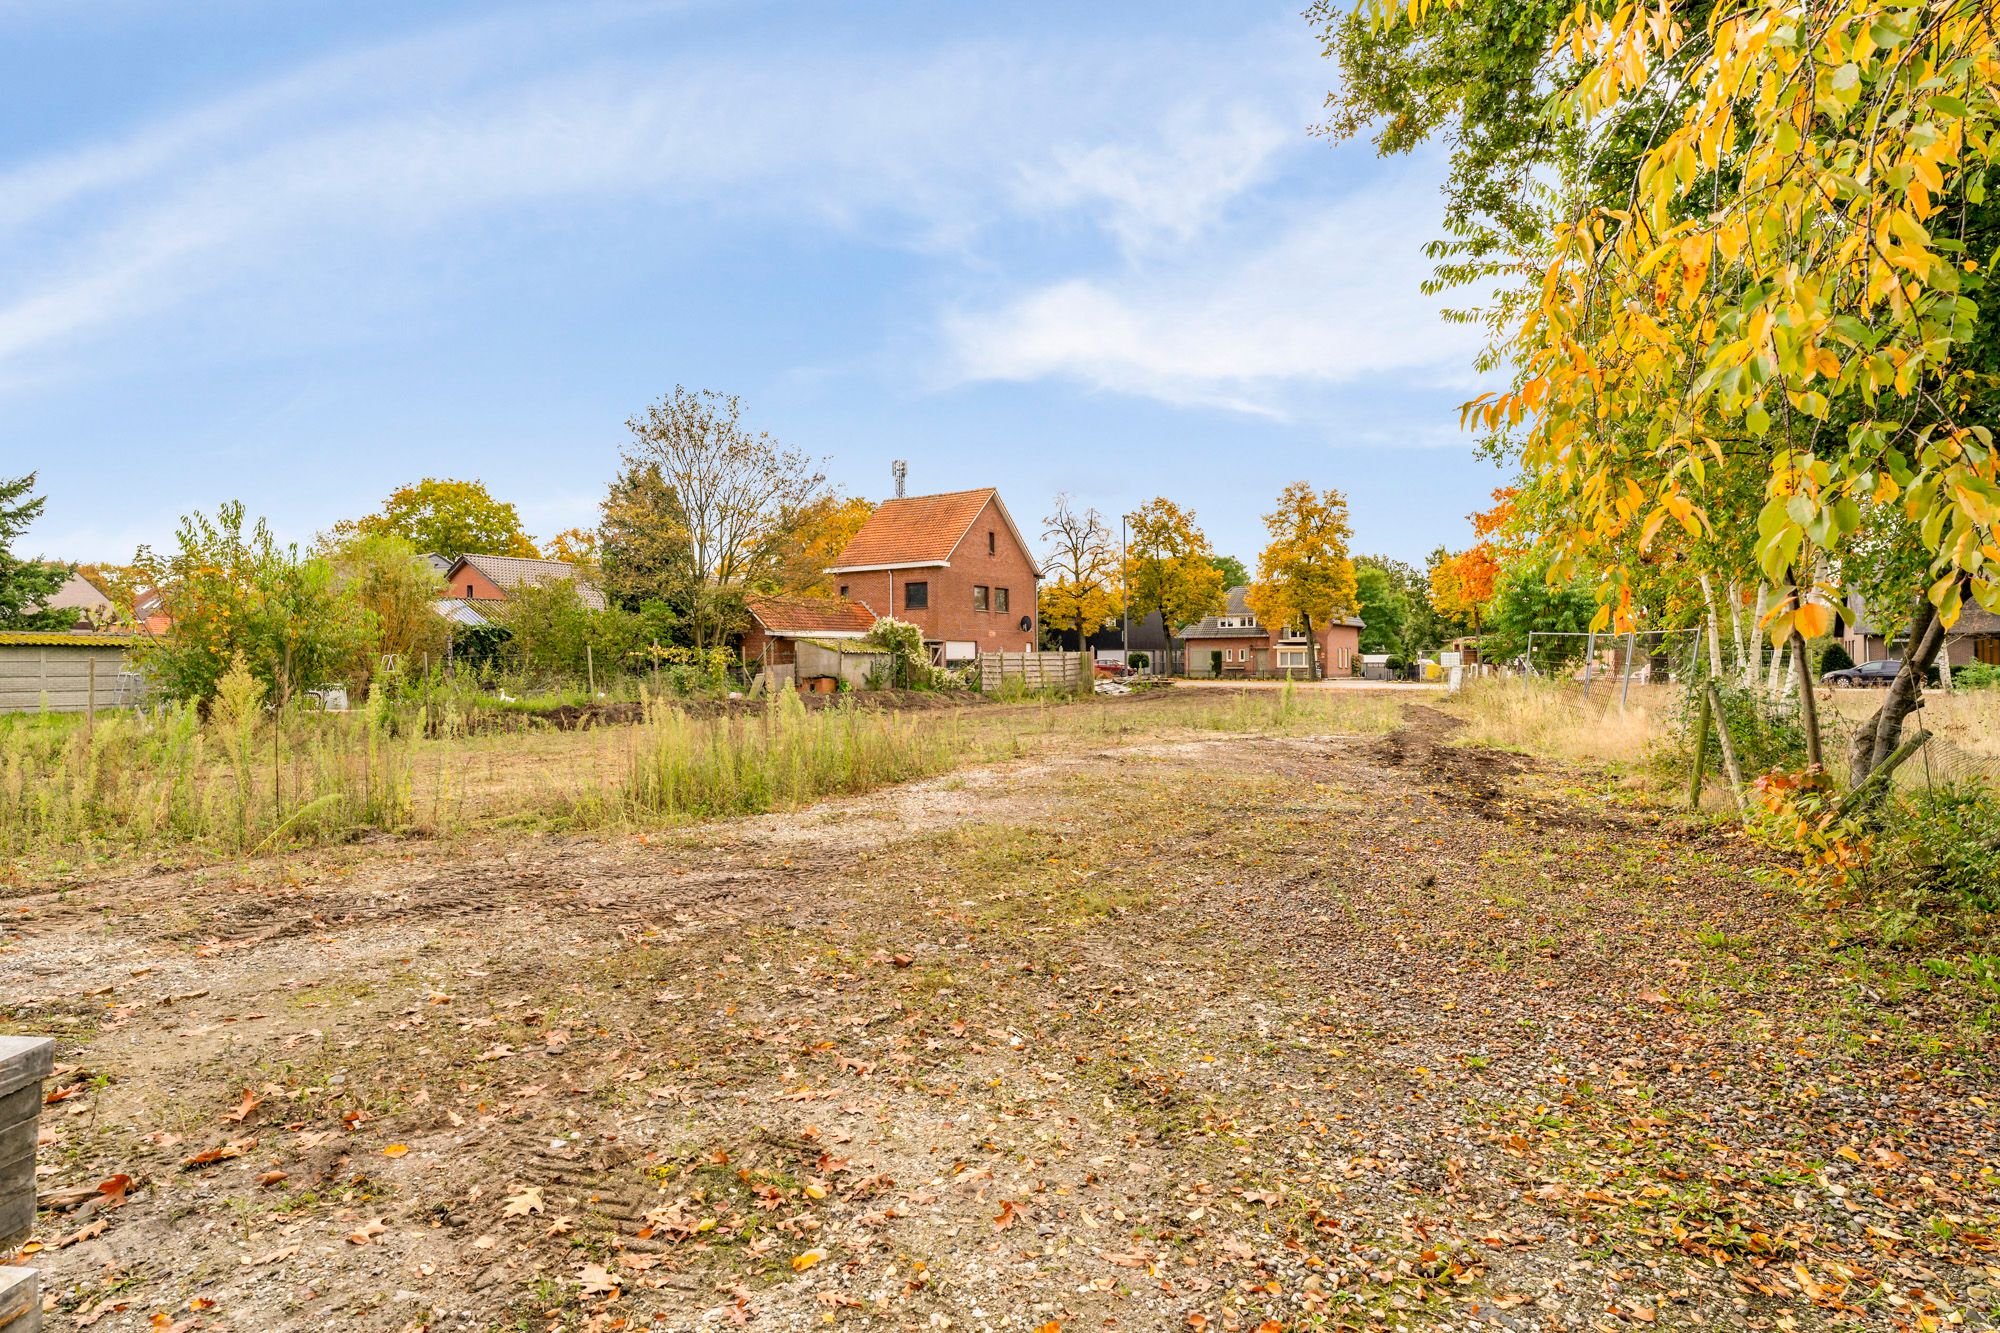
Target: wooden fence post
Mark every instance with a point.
(1735, 769)
(1700, 753)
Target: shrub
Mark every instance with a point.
(1945, 841)
(909, 661)
(1975, 676)
(234, 593)
(1139, 661)
(1215, 662)
(1835, 658)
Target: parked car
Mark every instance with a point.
(1114, 670)
(1877, 674)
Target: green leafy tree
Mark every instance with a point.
(1235, 574)
(26, 584)
(1421, 627)
(231, 590)
(1526, 601)
(1385, 610)
(393, 582)
(643, 551)
(444, 517)
(551, 632)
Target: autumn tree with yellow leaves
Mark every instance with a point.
(1769, 278)
(1079, 588)
(1170, 566)
(1305, 576)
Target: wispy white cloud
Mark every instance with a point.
(1172, 188)
(1328, 298)
(279, 182)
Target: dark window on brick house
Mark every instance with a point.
(916, 596)
(979, 601)
(843, 590)
(999, 599)
(991, 546)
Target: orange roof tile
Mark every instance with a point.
(811, 615)
(916, 530)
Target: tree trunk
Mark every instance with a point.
(1714, 631)
(1312, 651)
(1746, 661)
(1808, 701)
(1876, 739)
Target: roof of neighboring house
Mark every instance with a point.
(920, 530)
(513, 571)
(459, 611)
(441, 563)
(1972, 619)
(1211, 627)
(1976, 620)
(79, 593)
(798, 617)
(56, 638)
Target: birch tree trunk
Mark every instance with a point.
(1714, 631)
(1749, 662)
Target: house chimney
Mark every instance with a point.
(900, 470)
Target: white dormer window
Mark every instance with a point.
(1237, 622)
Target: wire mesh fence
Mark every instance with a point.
(1761, 703)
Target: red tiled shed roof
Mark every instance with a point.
(916, 530)
(811, 615)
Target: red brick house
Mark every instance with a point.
(954, 565)
(1248, 648)
(489, 578)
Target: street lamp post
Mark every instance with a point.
(1125, 594)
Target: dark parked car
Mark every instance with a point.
(1878, 674)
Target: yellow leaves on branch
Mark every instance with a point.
(1780, 261)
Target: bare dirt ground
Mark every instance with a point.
(1230, 1033)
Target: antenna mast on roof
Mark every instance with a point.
(900, 470)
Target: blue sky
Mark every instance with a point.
(299, 254)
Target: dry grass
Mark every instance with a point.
(1553, 718)
(1968, 719)
(142, 786)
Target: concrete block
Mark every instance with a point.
(20, 1301)
(25, 1060)
(24, 1063)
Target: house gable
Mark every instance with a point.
(488, 578)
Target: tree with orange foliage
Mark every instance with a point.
(1464, 583)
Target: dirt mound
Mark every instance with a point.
(1467, 774)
